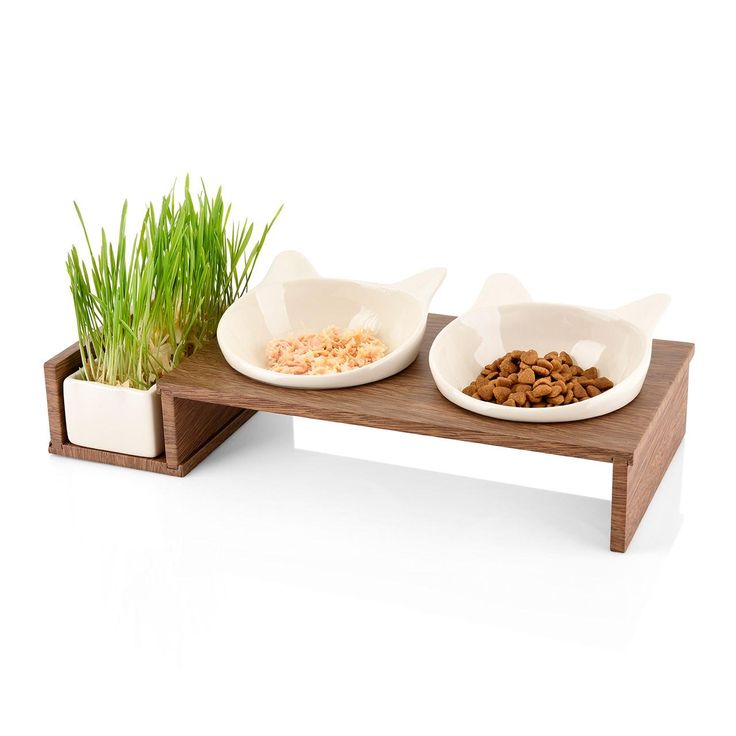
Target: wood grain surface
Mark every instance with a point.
(55, 370)
(204, 427)
(635, 483)
(189, 424)
(151, 464)
(155, 464)
(410, 402)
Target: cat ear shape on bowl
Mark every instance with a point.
(422, 285)
(644, 313)
(289, 265)
(499, 289)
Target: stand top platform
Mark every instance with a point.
(410, 402)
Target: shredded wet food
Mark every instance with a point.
(523, 378)
(321, 353)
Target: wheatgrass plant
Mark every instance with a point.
(139, 315)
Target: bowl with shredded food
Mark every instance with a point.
(495, 359)
(301, 330)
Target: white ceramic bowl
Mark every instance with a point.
(294, 299)
(504, 318)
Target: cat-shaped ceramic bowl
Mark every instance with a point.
(293, 299)
(504, 318)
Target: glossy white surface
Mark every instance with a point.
(113, 418)
(293, 299)
(505, 318)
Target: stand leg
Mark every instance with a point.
(192, 429)
(635, 484)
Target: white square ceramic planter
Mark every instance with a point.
(113, 418)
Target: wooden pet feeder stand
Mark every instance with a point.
(204, 401)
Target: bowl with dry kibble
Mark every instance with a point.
(298, 329)
(512, 358)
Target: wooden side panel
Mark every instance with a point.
(619, 505)
(202, 452)
(635, 484)
(189, 424)
(55, 371)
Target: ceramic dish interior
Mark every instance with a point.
(504, 318)
(293, 299)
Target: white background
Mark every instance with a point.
(312, 579)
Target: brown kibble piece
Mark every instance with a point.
(568, 396)
(556, 391)
(514, 378)
(540, 371)
(591, 373)
(583, 381)
(555, 401)
(509, 402)
(542, 390)
(593, 391)
(545, 364)
(504, 382)
(507, 367)
(545, 379)
(519, 397)
(578, 391)
(551, 355)
(514, 354)
(603, 384)
(527, 376)
(530, 357)
(501, 393)
(565, 358)
(486, 392)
